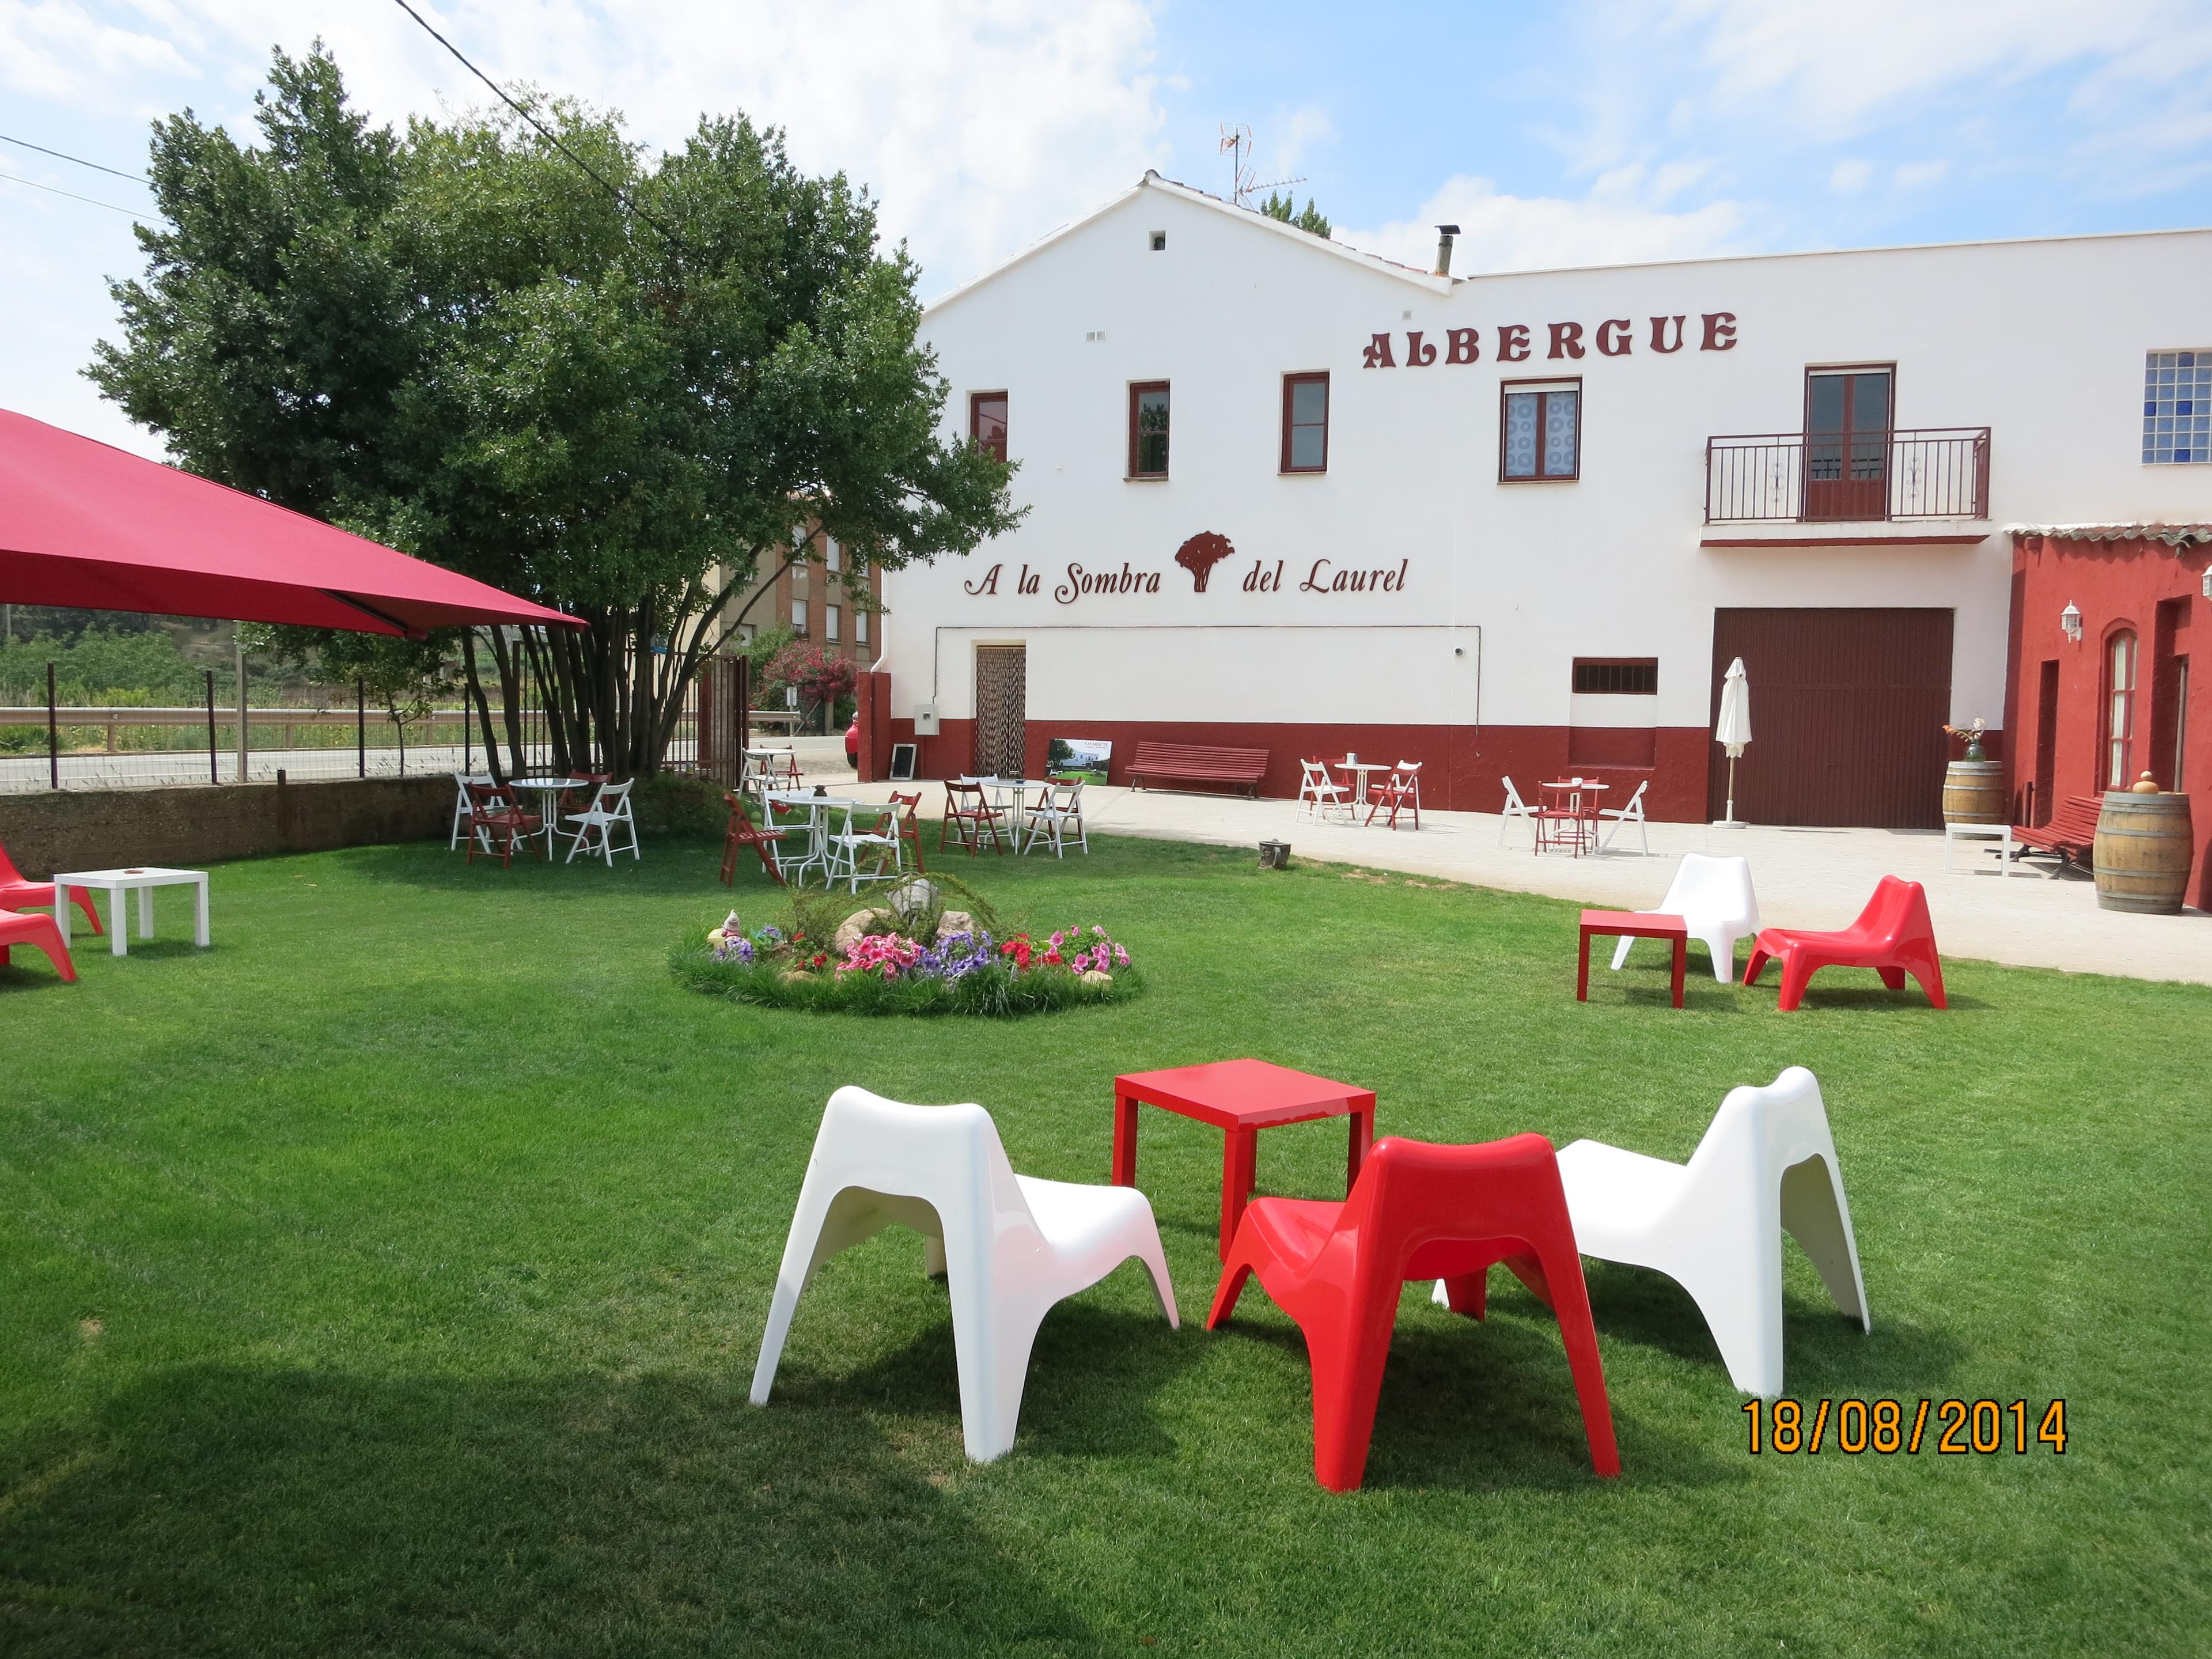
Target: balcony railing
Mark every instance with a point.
(1827, 477)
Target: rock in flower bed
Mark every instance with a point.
(910, 955)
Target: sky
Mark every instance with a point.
(1575, 132)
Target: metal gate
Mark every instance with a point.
(1847, 712)
(1001, 709)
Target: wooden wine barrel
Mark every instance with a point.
(1973, 792)
(2142, 852)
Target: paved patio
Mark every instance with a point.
(1806, 878)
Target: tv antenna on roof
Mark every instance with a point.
(1236, 143)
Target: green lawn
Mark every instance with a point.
(389, 1280)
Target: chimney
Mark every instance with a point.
(1444, 234)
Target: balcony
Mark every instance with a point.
(1854, 477)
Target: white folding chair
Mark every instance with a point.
(1058, 807)
(1010, 1246)
(1515, 808)
(1766, 1165)
(1630, 811)
(844, 849)
(596, 825)
(1715, 900)
(1319, 795)
(461, 782)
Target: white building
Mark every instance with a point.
(1506, 524)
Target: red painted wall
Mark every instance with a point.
(2156, 591)
(1463, 768)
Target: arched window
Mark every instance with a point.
(2119, 707)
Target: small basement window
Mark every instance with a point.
(1616, 676)
(1159, 241)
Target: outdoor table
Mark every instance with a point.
(115, 884)
(1240, 1097)
(1631, 924)
(548, 805)
(817, 824)
(768, 757)
(1563, 804)
(1361, 768)
(1006, 795)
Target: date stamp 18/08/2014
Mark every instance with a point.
(1886, 1427)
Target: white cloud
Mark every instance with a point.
(1919, 175)
(1849, 178)
(1617, 223)
(1837, 69)
(978, 123)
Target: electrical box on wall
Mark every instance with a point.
(925, 720)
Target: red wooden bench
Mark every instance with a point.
(1199, 762)
(2071, 834)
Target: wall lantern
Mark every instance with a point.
(2070, 622)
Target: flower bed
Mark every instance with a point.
(913, 957)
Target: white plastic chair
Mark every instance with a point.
(1515, 808)
(1318, 795)
(843, 850)
(1714, 898)
(1630, 811)
(596, 823)
(1011, 1246)
(461, 782)
(1766, 1165)
(1058, 807)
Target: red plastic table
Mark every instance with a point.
(1631, 924)
(1240, 1097)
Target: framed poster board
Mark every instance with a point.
(1088, 759)
(903, 756)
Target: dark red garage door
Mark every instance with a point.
(1847, 712)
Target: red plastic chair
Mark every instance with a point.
(1417, 1211)
(1893, 935)
(38, 931)
(17, 893)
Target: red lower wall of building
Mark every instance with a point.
(2058, 701)
(1463, 769)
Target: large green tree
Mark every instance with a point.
(613, 382)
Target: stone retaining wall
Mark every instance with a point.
(103, 829)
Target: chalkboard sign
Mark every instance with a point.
(903, 756)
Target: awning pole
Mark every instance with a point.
(238, 652)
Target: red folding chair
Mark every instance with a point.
(18, 893)
(1401, 790)
(41, 932)
(1417, 1211)
(968, 816)
(741, 834)
(909, 823)
(496, 820)
(1895, 936)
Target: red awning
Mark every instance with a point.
(84, 524)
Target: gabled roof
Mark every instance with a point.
(1245, 216)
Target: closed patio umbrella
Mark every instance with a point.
(1733, 730)
(83, 523)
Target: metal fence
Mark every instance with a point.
(55, 745)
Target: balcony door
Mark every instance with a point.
(1847, 427)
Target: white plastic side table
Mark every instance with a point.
(1996, 832)
(116, 883)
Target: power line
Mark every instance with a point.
(16, 178)
(59, 155)
(550, 138)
